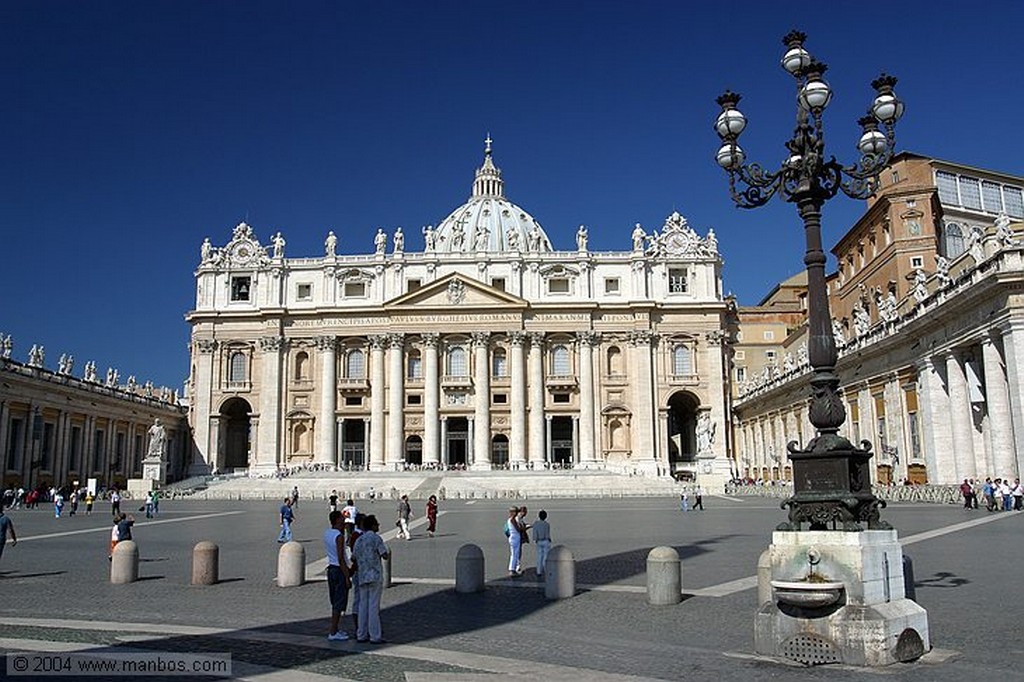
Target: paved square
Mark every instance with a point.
(56, 596)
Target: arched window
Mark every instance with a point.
(615, 361)
(954, 240)
(682, 361)
(457, 366)
(236, 367)
(356, 365)
(415, 365)
(499, 361)
(301, 365)
(560, 364)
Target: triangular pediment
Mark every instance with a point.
(456, 292)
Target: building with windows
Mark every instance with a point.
(928, 314)
(488, 348)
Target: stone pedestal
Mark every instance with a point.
(138, 488)
(154, 469)
(838, 597)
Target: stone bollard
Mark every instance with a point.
(385, 569)
(124, 564)
(291, 565)
(664, 577)
(469, 569)
(205, 563)
(764, 578)
(909, 591)
(560, 574)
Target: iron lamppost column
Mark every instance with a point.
(832, 483)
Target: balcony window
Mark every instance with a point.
(560, 364)
(682, 361)
(457, 365)
(355, 367)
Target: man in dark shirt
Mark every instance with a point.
(124, 527)
(287, 518)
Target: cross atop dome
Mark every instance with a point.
(488, 182)
(487, 144)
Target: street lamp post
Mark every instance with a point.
(832, 483)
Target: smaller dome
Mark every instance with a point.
(488, 221)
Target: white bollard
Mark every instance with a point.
(764, 578)
(385, 569)
(560, 574)
(205, 563)
(664, 577)
(291, 565)
(469, 569)
(124, 563)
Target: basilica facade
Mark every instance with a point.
(491, 347)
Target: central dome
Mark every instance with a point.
(488, 221)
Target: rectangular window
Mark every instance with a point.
(414, 399)
(558, 285)
(741, 355)
(970, 193)
(917, 262)
(240, 288)
(413, 284)
(415, 367)
(560, 398)
(498, 283)
(769, 355)
(1014, 202)
(946, 183)
(992, 194)
(355, 290)
(677, 281)
(353, 401)
(611, 285)
(769, 335)
(741, 374)
(305, 292)
(500, 398)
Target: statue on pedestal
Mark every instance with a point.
(157, 439)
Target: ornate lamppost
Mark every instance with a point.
(832, 483)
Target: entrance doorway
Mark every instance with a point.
(353, 444)
(234, 415)
(499, 451)
(561, 442)
(682, 432)
(457, 447)
(414, 450)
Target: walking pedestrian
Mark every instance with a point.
(295, 496)
(6, 528)
(698, 499)
(515, 541)
(404, 512)
(58, 504)
(524, 532)
(287, 519)
(683, 501)
(115, 502)
(89, 499)
(349, 513)
(431, 515)
(542, 537)
(339, 579)
(369, 553)
(332, 501)
(74, 503)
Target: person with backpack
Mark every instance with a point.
(514, 533)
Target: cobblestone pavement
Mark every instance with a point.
(55, 594)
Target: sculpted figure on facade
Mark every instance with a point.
(206, 252)
(512, 238)
(89, 372)
(533, 239)
(380, 241)
(131, 384)
(639, 237)
(6, 347)
(788, 362)
(278, 243)
(429, 238)
(887, 305)
(705, 432)
(399, 241)
(157, 440)
(861, 319)
(920, 285)
(330, 245)
(711, 243)
(942, 270)
(801, 355)
(974, 243)
(458, 236)
(483, 236)
(1003, 232)
(36, 356)
(581, 238)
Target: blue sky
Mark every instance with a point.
(132, 130)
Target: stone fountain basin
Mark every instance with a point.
(807, 594)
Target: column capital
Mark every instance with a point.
(326, 343)
(431, 339)
(715, 337)
(378, 341)
(588, 338)
(536, 339)
(481, 339)
(642, 337)
(272, 344)
(206, 346)
(517, 338)
(396, 340)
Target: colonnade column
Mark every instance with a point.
(482, 400)
(431, 396)
(933, 404)
(377, 388)
(269, 437)
(202, 385)
(539, 429)
(960, 418)
(643, 398)
(1013, 353)
(517, 443)
(327, 446)
(587, 446)
(997, 400)
(395, 448)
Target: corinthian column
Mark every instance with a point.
(431, 393)
(588, 448)
(538, 427)
(482, 401)
(327, 442)
(203, 455)
(960, 418)
(395, 448)
(517, 446)
(643, 400)
(1002, 461)
(271, 394)
(377, 402)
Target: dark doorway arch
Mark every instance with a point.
(457, 447)
(235, 429)
(562, 450)
(499, 451)
(682, 433)
(414, 450)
